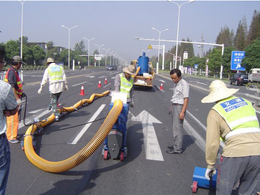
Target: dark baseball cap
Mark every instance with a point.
(17, 59)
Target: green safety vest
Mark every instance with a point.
(239, 115)
(125, 85)
(55, 73)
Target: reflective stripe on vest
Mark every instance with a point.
(239, 115)
(55, 73)
(125, 85)
(18, 91)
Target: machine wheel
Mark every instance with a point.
(121, 156)
(105, 155)
(194, 187)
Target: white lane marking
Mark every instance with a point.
(90, 76)
(79, 84)
(85, 128)
(161, 80)
(38, 116)
(151, 144)
(107, 85)
(203, 127)
(202, 83)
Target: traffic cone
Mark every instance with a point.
(99, 84)
(106, 80)
(82, 90)
(161, 88)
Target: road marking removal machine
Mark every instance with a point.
(199, 180)
(115, 143)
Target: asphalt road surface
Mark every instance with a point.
(144, 171)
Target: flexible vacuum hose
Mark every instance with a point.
(84, 153)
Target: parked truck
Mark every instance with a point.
(254, 75)
(144, 71)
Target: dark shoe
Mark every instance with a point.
(173, 152)
(170, 147)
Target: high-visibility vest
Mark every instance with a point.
(125, 85)
(18, 91)
(55, 73)
(239, 114)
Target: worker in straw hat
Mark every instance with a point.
(55, 75)
(233, 119)
(124, 83)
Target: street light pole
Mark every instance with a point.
(88, 46)
(178, 24)
(106, 55)
(69, 43)
(21, 50)
(159, 47)
(99, 51)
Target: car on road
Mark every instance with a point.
(110, 67)
(239, 79)
(115, 67)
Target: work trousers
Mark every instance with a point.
(5, 161)
(12, 123)
(177, 127)
(54, 99)
(246, 170)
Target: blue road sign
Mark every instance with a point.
(236, 60)
(196, 66)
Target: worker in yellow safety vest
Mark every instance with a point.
(55, 75)
(124, 83)
(234, 120)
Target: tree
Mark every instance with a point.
(215, 61)
(252, 55)
(38, 54)
(240, 38)
(27, 55)
(254, 31)
(225, 37)
(12, 49)
(226, 59)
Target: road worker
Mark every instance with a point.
(12, 77)
(55, 75)
(234, 120)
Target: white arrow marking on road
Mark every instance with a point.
(85, 128)
(151, 144)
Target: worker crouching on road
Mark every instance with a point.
(124, 83)
(234, 120)
(55, 75)
(12, 77)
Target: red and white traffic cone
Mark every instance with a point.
(99, 84)
(161, 88)
(105, 80)
(82, 90)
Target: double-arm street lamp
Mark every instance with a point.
(88, 47)
(159, 47)
(99, 51)
(178, 23)
(21, 50)
(69, 43)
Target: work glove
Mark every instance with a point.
(210, 172)
(40, 90)
(66, 87)
(19, 102)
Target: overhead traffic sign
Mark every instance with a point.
(236, 60)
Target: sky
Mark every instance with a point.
(116, 23)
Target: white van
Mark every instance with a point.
(254, 75)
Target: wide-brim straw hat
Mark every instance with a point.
(218, 91)
(130, 69)
(49, 60)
